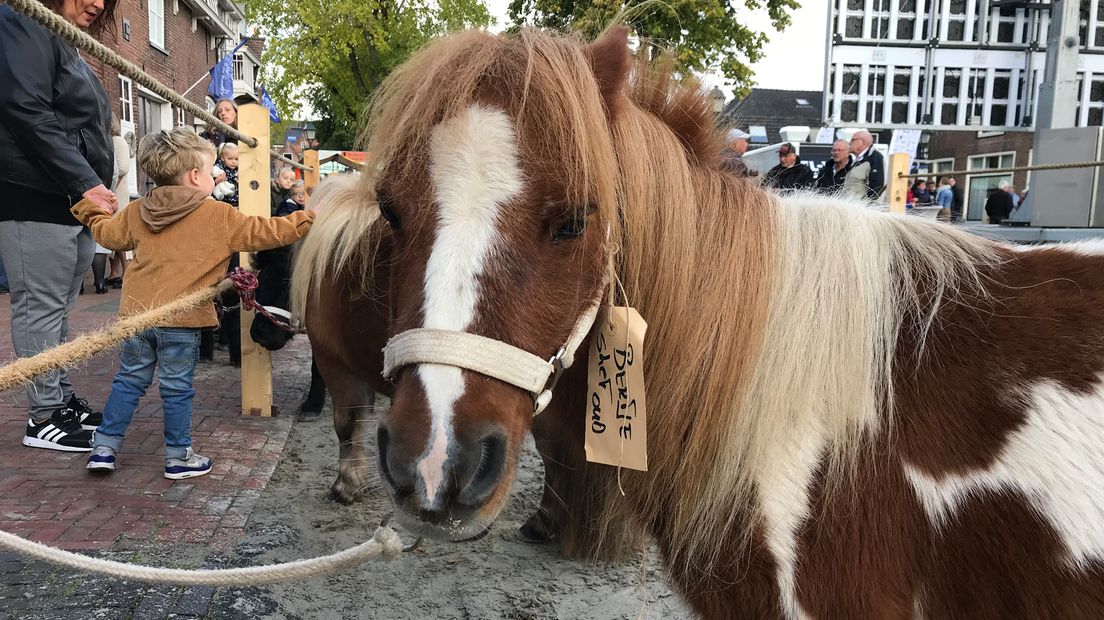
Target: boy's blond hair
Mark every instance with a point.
(165, 156)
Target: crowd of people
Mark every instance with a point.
(65, 171)
(856, 168)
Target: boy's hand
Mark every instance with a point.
(102, 198)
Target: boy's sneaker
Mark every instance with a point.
(101, 459)
(61, 432)
(89, 420)
(190, 467)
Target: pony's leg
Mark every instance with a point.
(354, 416)
(316, 395)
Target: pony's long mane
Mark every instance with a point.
(770, 321)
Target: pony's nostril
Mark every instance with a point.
(383, 443)
(492, 462)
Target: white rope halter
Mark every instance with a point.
(489, 357)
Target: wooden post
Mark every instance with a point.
(254, 198)
(898, 187)
(311, 177)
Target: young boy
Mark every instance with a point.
(182, 241)
(297, 200)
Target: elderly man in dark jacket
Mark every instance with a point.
(790, 173)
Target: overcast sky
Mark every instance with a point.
(792, 60)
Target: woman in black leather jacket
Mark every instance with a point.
(55, 148)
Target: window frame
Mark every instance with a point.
(156, 24)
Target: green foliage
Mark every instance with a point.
(334, 53)
(704, 34)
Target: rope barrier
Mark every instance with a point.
(950, 173)
(384, 542)
(66, 355)
(82, 41)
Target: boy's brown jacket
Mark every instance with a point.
(190, 250)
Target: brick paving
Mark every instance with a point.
(49, 497)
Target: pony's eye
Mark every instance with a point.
(571, 228)
(387, 210)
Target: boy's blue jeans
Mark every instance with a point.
(175, 352)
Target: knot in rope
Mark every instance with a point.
(245, 282)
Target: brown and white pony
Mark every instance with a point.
(851, 414)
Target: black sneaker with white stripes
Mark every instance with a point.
(89, 420)
(61, 432)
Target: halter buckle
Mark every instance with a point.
(557, 369)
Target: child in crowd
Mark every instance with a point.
(226, 174)
(296, 201)
(281, 187)
(182, 241)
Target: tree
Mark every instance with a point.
(703, 34)
(333, 54)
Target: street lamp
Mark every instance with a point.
(718, 99)
(308, 131)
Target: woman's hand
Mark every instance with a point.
(102, 198)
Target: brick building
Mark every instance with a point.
(177, 42)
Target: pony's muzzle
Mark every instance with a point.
(467, 480)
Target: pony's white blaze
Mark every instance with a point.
(1054, 460)
(474, 168)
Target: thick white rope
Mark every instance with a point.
(384, 542)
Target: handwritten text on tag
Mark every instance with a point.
(616, 412)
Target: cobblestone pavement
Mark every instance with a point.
(135, 513)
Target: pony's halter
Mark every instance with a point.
(489, 357)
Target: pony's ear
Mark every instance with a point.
(609, 59)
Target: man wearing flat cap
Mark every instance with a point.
(732, 156)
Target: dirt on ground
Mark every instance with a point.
(494, 577)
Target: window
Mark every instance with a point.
(980, 185)
(991, 161)
(1002, 97)
(126, 100)
(1095, 104)
(157, 23)
(848, 105)
(875, 89)
(952, 79)
(239, 67)
(178, 117)
(758, 134)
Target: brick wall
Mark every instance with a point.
(187, 54)
(963, 144)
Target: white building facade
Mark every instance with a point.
(951, 63)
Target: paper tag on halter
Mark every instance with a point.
(615, 432)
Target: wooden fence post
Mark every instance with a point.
(898, 187)
(311, 177)
(254, 198)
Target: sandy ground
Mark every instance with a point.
(495, 577)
